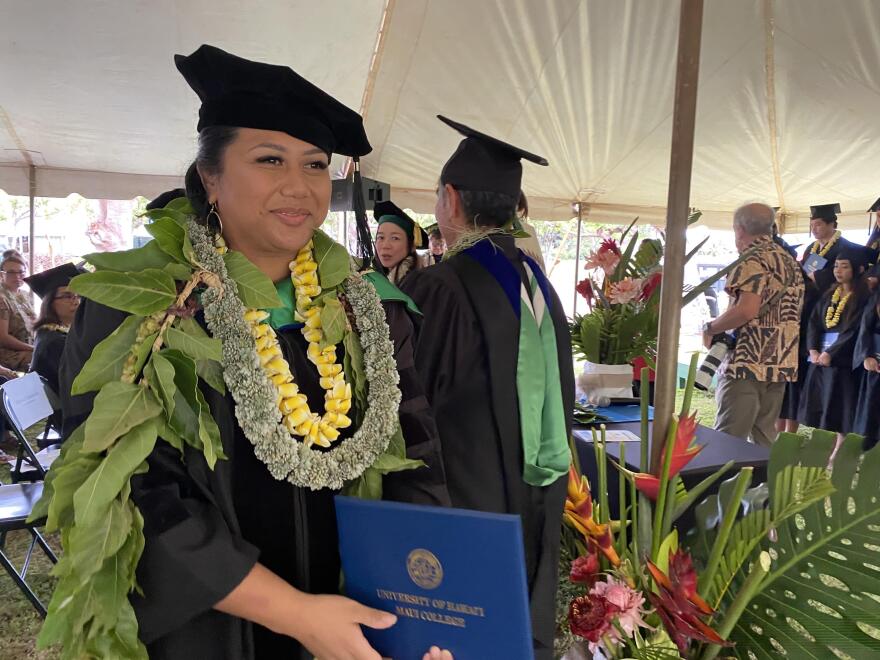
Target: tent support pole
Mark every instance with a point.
(577, 257)
(681, 160)
(32, 193)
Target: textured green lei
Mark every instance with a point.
(146, 375)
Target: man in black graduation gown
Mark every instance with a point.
(469, 356)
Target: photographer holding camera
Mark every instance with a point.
(766, 292)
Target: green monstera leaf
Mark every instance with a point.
(821, 597)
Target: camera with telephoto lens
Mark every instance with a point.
(721, 344)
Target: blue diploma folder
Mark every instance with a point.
(813, 263)
(454, 578)
(829, 339)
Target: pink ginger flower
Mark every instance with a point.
(628, 602)
(606, 260)
(625, 290)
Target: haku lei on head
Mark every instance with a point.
(836, 307)
(149, 376)
(814, 248)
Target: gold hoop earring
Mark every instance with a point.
(213, 211)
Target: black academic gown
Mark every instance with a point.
(867, 421)
(467, 356)
(206, 529)
(813, 291)
(829, 394)
(48, 348)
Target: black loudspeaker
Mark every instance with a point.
(342, 197)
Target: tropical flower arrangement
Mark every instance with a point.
(787, 568)
(624, 304)
(147, 374)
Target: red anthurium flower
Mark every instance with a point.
(682, 454)
(579, 515)
(585, 288)
(585, 569)
(590, 616)
(678, 604)
(649, 285)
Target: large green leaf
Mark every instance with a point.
(333, 260)
(160, 375)
(332, 321)
(92, 499)
(211, 372)
(143, 293)
(148, 256)
(254, 288)
(119, 407)
(91, 544)
(108, 358)
(822, 596)
(197, 347)
(177, 216)
(170, 236)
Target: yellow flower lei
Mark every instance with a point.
(299, 419)
(814, 249)
(55, 327)
(835, 309)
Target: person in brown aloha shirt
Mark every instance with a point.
(16, 315)
(767, 293)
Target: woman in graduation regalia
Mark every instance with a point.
(239, 535)
(397, 239)
(494, 353)
(828, 244)
(830, 388)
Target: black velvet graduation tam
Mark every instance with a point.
(239, 92)
(43, 283)
(389, 212)
(875, 207)
(484, 163)
(828, 212)
(858, 257)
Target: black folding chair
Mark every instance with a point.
(24, 402)
(16, 503)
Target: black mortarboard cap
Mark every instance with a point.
(858, 256)
(165, 198)
(484, 163)
(388, 211)
(239, 92)
(43, 283)
(875, 207)
(827, 212)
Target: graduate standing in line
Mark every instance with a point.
(397, 239)
(494, 354)
(866, 362)
(818, 265)
(830, 389)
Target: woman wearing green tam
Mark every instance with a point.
(397, 239)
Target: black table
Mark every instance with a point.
(718, 449)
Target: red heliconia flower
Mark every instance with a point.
(609, 245)
(578, 513)
(649, 285)
(590, 617)
(585, 569)
(585, 288)
(682, 454)
(679, 605)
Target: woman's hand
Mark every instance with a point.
(814, 356)
(330, 627)
(871, 364)
(434, 653)
(7, 373)
(825, 360)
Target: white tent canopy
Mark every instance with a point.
(788, 96)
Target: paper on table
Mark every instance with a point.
(621, 436)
